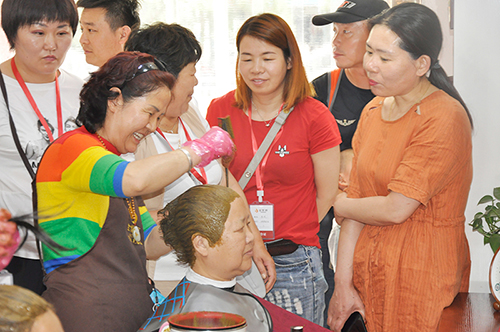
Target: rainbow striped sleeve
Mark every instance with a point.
(148, 222)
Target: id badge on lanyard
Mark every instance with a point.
(263, 215)
(262, 211)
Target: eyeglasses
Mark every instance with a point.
(148, 66)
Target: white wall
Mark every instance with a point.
(477, 50)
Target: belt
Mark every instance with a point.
(281, 247)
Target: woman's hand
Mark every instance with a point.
(344, 302)
(265, 264)
(215, 144)
(9, 238)
(154, 245)
(345, 299)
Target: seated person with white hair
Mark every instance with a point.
(208, 227)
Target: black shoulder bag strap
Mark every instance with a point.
(264, 146)
(26, 163)
(14, 131)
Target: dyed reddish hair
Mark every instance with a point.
(120, 71)
(275, 31)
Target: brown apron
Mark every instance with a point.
(106, 289)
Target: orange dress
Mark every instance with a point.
(407, 273)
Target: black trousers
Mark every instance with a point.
(27, 273)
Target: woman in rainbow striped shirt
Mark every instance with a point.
(88, 196)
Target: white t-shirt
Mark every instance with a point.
(167, 267)
(15, 181)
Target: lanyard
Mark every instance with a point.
(262, 165)
(35, 107)
(201, 177)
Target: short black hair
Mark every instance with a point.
(118, 12)
(19, 13)
(172, 44)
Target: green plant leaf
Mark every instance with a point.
(489, 221)
(496, 212)
(481, 231)
(485, 199)
(496, 193)
(477, 224)
(495, 242)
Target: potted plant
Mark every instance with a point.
(487, 223)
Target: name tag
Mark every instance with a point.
(263, 215)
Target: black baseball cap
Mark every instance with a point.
(352, 11)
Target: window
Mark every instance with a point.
(215, 24)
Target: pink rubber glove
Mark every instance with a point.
(215, 144)
(9, 238)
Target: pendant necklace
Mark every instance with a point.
(419, 100)
(133, 229)
(171, 131)
(135, 233)
(267, 123)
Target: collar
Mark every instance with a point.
(198, 278)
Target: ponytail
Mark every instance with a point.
(439, 78)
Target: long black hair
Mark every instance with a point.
(419, 31)
(23, 223)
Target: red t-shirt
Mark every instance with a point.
(288, 175)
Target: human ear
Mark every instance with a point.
(289, 63)
(200, 245)
(117, 102)
(124, 34)
(423, 64)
